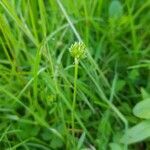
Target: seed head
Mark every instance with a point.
(78, 50)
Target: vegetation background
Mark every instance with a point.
(37, 78)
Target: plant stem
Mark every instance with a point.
(74, 93)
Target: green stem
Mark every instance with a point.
(74, 93)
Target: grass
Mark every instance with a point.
(47, 101)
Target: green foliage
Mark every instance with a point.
(50, 101)
(115, 9)
(137, 133)
(142, 110)
(140, 131)
(115, 146)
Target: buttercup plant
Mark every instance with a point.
(77, 51)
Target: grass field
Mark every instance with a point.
(50, 100)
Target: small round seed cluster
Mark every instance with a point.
(78, 50)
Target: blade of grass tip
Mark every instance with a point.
(37, 118)
(80, 40)
(81, 141)
(112, 92)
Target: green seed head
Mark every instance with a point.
(78, 50)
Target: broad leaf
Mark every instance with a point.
(142, 109)
(145, 94)
(115, 146)
(115, 9)
(137, 133)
